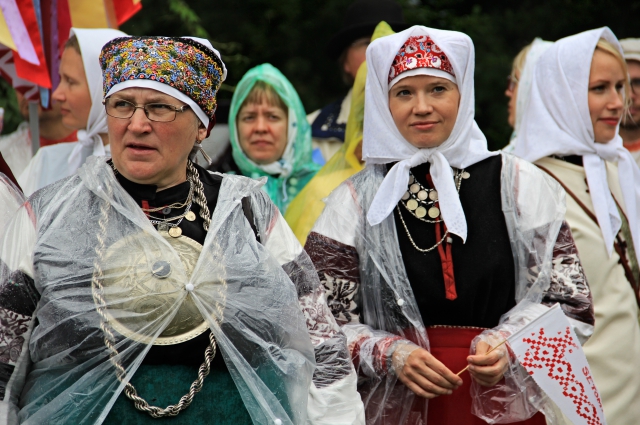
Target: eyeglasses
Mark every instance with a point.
(635, 86)
(159, 112)
(512, 82)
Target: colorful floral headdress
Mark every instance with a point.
(420, 52)
(190, 67)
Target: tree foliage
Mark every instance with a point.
(292, 35)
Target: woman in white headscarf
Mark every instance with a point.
(80, 96)
(519, 88)
(438, 240)
(570, 130)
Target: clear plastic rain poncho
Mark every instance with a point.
(11, 198)
(84, 253)
(305, 209)
(287, 176)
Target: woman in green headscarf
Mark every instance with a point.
(270, 135)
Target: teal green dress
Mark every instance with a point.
(288, 176)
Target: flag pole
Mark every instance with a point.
(463, 370)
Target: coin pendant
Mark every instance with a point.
(411, 179)
(422, 195)
(163, 227)
(175, 232)
(421, 212)
(434, 212)
(406, 196)
(466, 175)
(190, 216)
(412, 204)
(414, 188)
(433, 195)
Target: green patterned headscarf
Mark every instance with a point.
(287, 176)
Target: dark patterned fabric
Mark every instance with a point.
(325, 126)
(568, 282)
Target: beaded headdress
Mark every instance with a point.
(420, 52)
(189, 66)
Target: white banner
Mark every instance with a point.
(549, 350)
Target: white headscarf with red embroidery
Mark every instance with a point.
(389, 59)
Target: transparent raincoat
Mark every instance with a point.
(86, 258)
(11, 198)
(389, 318)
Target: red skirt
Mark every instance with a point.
(450, 345)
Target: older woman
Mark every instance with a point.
(80, 97)
(438, 239)
(138, 275)
(570, 130)
(270, 136)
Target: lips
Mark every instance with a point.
(139, 147)
(423, 125)
(610, 121)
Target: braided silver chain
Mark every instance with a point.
(109, 338)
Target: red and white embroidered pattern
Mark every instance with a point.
(547, 354)
(419, 52)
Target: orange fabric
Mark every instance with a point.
(633, 146)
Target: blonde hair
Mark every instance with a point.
(520, 60)
(263, 92)
(605, 46)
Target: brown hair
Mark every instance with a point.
(263, 92)
(72, 43)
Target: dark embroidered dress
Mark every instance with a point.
(482, 271)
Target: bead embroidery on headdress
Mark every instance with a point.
(182, 63)
(419, 52)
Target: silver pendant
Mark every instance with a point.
(163, 227)
(166, 211)
(412, 204)
(175, 232)
(422, 195)
(434, 212)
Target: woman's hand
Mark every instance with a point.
(422, 373)
(488, 369)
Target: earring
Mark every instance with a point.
(206, 157)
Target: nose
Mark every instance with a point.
(139, 123)
(422, 105)
(58, 94)
(261, 124)
(616, 101)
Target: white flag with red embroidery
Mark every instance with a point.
(549, 350)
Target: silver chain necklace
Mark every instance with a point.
(418, 195)
(101, 306)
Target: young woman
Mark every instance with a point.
(439, 248)
(570, 129)
(80, 97)
(270, 136)
(144, 287)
